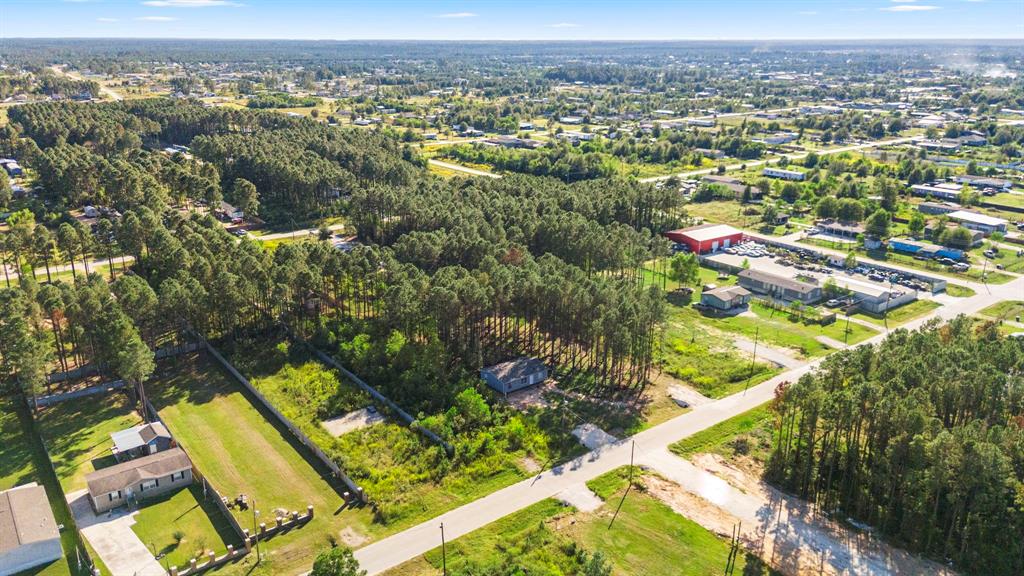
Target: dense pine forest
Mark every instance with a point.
(921, 437)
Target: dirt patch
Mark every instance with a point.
(530, 465)
(690, 505)
(786, 532)
(736, 474)
(532, 397)
(352, 421)
(351, 538)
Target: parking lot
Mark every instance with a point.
(789, 264)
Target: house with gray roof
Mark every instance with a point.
(514, 374)
(29, 536)
(139, 479)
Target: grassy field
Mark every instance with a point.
(188, 514)
(548, 538)
(746, 433)
(241, 452)
(77, 434)
(958, 291)
(1008, 309)
(724, 212)
(774, 327)
(902, 314)
(22, 460)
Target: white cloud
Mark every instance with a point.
(189, 3)
(563, 25)
(457, 15)
(909, 8)
(156, 18)
(904, 1)
(106, 19)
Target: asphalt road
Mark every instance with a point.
(398, 548)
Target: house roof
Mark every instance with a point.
(122, 475)
(706, 232)
(514, 369)
(848, 227)
(25, 517)
(985, 220)
(125, 440)
(727, 293)
(776, 280)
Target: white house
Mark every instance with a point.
(784, 174)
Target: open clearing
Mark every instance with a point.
(238, 449)
(648, 539)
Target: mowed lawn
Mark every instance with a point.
(647, 539)
(77, 434)
(241, 452)
(23, 460)
(902, 314)
(190, 515)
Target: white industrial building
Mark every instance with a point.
(980, 222)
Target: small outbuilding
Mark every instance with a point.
(141, 440)
(515, 374)
(29, 536)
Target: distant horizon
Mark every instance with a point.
(516, 20)
(527, 40)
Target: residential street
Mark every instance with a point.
(394, 550)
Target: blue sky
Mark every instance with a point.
(515, 19)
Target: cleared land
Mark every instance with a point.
(240, 451)
(900, 315)
(648, 538)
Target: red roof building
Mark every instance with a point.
(706, 237)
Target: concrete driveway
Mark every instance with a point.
(111, 535)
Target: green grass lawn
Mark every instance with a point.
(900, 315)
(650, 539)
(77, 434)
(774, 327)
(188, 514)
(240, 451)
(958, 291)
(749, 432)
(22, 460)
(1008, 310)
(548, 538)
(725, 212)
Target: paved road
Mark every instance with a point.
(394, 550)
(77, 76)
(295, 233)
(792, 156)
(460, 168)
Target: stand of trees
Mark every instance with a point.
(921, 436)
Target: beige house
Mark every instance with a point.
(138, 479)
(28, 533)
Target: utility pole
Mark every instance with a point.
(753, 358)
(632, 450)
(444, 555)
(255, 534)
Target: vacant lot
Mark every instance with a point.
(746, 434)
(23, 460)
(648, 538)
(240, 451)
(408, 478)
